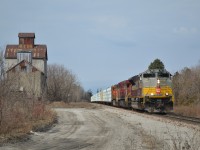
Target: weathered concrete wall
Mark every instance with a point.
(40, 64)
(9, 63)
(32, 83)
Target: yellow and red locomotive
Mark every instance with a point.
(150, 91)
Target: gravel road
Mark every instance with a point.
(108, 128)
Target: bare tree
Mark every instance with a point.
(186, 86)
(1, 83)
(1, 64)
(19, 109)
(62, 84)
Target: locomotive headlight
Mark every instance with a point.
(152, 94)
(158, 81)
(167, 94)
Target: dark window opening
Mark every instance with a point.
(24, 69)
(149, 75)
(164, 75)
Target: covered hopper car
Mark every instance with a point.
(150, 91)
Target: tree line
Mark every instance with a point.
(63, 85)
(186, 86)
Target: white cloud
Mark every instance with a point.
(185, 30)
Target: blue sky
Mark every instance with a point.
(106, 41)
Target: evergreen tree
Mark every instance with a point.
(157, 64)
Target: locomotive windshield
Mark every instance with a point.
(163, 75)
(149, 75)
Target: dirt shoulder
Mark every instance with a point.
(103, 127)
(74, 105)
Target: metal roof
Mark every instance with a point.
(38, 51)
(30, 35)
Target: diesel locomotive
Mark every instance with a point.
(150, 91)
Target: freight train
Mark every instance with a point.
(150, 91)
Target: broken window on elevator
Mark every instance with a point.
(24, 55)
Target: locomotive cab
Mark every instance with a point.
(157, 91)
(154, 92)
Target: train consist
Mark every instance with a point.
(150, 91)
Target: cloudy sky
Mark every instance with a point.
(107, 41)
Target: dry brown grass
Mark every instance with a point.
(22, 118)
(72, 105)
(192, 111)
(19, 121)
(47, 119)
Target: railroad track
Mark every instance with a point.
(172, 116)
(186, 119)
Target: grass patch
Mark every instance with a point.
(17, 124)
(191, 111)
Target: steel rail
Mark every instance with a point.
(183, 118)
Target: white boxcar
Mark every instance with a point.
(94, 98)
(107, 95)
(102, 96)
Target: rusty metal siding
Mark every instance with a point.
(38, 52)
